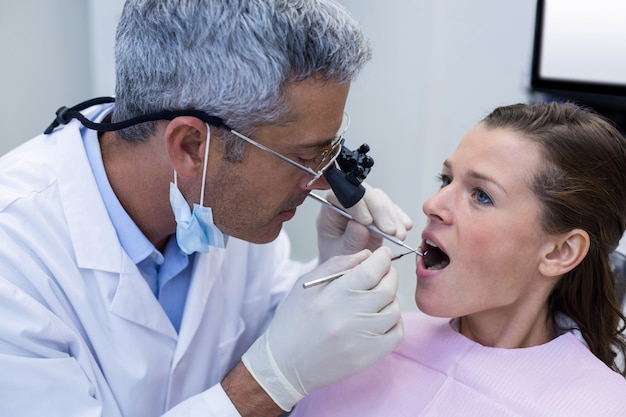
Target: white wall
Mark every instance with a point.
(54, 53)
(103, 16)
(44, 64)
(438, 67)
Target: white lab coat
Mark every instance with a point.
(81, 334)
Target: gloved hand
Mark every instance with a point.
(337, 235)
(328, 332)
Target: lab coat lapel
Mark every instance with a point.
(206, 270)
(98, 248)
(135, 302)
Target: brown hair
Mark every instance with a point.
(582, 185)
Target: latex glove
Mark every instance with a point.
(328, 332)
(337, 235)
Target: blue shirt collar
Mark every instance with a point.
(133, 241)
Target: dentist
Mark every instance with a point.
(143, 266)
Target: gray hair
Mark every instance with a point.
(229, 58)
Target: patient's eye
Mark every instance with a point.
(482, 197)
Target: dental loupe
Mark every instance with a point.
(345, 180)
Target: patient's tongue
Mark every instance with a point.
(436, 259)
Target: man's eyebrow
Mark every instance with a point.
(312, 146)
(306, 146)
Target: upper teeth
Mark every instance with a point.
(431, 243)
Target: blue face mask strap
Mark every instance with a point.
(206, 162)
(64, 115)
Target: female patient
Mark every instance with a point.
(521, 317)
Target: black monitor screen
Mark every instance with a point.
(580, 46)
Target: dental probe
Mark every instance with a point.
(371, 227)
(336, 275)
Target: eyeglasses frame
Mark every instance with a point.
(338, 142)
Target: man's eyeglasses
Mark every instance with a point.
(324, 160)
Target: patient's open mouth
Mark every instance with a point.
(434, 258)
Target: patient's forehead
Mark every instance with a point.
(497, 152)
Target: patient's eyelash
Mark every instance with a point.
(444, 179)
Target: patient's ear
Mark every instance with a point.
(185, 139)
(564, 253)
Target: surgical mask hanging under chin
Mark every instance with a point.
(195, 231)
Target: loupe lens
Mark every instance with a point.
(346, 192)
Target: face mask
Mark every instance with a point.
(195, 231)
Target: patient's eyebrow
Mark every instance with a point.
(487, 178)
(478, 176)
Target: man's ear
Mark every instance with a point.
(185, 139)
(564, 253)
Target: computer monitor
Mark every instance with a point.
(579, 55)
(580, 47)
